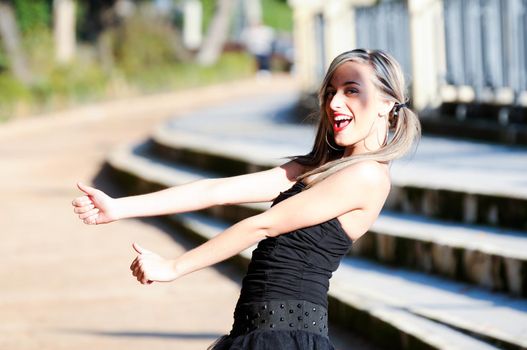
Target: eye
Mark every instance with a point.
(352, 91)
(330, 93)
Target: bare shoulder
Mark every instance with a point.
(370, 172)
(354, 194)
(366, 172)
(375, 178)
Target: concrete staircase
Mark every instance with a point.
(444, 266)
(480, 121)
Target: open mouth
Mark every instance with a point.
(340, 122)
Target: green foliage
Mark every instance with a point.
(277, 14)
(12, 93)
(32, 15)
(4, 60)
(143, 43)
(12, 89)
(81, 15)
(231, 65)
(53, 86)
(209, 6)
(39, 51)
(145, 56)
(66, 85)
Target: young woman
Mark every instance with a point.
(322, 202)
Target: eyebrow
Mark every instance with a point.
(351, 82)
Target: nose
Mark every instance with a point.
(336, 102)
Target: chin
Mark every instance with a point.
(343, 143)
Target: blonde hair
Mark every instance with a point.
(390, 83)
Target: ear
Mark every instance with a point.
(385, 106)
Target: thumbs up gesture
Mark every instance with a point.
(94, 207)
(148, 267)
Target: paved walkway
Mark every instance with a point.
(66, 285)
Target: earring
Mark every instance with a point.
(387, 128)
(330, 146)
(385, 140)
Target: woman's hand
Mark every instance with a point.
(148, 267)
(95, 207)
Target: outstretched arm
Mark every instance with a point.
(356, 187)
(95, 207)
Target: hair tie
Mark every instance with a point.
(398, 107)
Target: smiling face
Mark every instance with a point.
(353, 104)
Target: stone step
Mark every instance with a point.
(476, 129)
(492, 317)
(499, 123)
(450, 180)
(375, 300)
(492, 258)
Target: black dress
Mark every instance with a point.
(283, 300)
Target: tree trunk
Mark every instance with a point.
(64, 30)
(217, 33)
(11, 42)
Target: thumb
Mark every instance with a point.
(140, 249)
(85, 188)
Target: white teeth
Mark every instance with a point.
(340, 118)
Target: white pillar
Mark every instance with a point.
(64, 30)
(192, 19)
(305, 55)
(428, 52)
(340, 28)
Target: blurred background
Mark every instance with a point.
(56, 54)
(460, 56)
(136, 96)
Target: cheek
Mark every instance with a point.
(367, 109)
(328, 113)
(365, 102)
